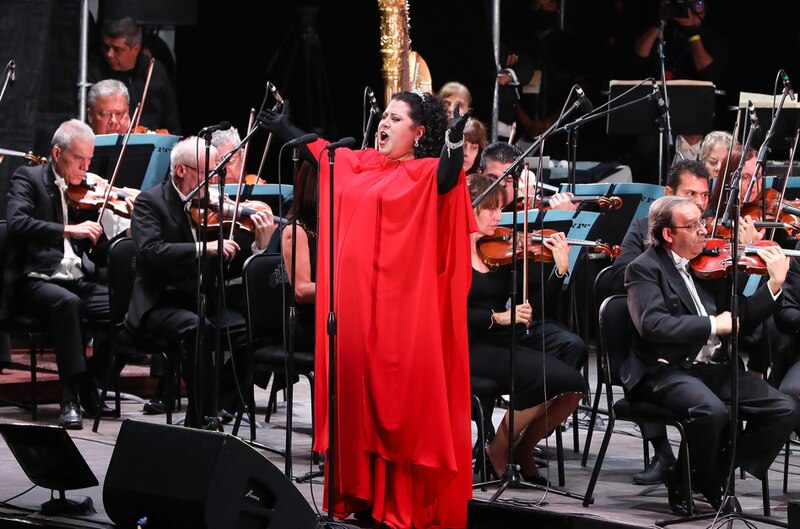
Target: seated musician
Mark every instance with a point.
(46, 276)
(164, 300)
(786, 369)
(497, 157)
(559, 392)
(559, 342)
(679, 357)
(688, 179)
(225, 141)
(714, 151)
(108, 107)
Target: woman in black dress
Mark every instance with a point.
(547, 390)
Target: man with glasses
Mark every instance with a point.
(107, 107)
(164, 301)
(679, 355)
(124, 61)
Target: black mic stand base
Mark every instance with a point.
(730, 512)
(512, 479)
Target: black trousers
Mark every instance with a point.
(64, 304)
(179, 326)
(701, 394)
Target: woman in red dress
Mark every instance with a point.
(401, 224)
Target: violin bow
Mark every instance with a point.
(107, 194)
(785, 182)
(144, 90)
(242, 172)
(525, 237)
(722, 181)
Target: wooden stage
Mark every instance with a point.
(618, 503)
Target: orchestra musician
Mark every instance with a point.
(679, 354)
(108, 107)
(46, 275)
(559, 341)
(541, 402)
(122, 59)
(164, 300)
(399, 208)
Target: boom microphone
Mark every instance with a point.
(751, 109)
(225, 125)
(786, 84)
(373, 103)
(344, 142)
(302, 140)
(586, 105)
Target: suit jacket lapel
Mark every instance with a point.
(176, 210)
(675, 280)
(49, 182)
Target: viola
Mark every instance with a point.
(247, 208)
(91, 195)
(717, 259)
(497, 250)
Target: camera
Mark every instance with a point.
(675, 9)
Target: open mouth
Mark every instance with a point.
(382, 137)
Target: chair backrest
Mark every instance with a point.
(121, 274)
(616, 335)
(602, 286)
(265, 288)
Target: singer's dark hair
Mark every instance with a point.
(429, 111)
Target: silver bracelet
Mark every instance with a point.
(449, 144)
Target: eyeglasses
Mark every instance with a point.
(195, 169)
(697, 226)
(107, 115)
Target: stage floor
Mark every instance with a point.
(617, 500)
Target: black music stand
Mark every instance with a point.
(51, 460)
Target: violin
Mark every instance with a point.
(717, 259)
(603, 202)
(496, 250)
(783, 219)
(91, 195)
(247, 208)
(141, 129)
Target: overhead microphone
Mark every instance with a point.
(344, 142)
(662, 105)
(12, 75)
(225, 125)
(372, 101)
(275, 93)
(586, 105)
(302, 140)
(787, 85)
(751, 109)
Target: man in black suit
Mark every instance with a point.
(46, 276)
(679, 358)
(164, 299)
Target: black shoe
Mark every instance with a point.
(731, 505)
(537, 479)
(71, 417)
(154, 406)
(226, 417)
(676, 494)
(654, 473)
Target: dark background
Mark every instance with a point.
(321, 55)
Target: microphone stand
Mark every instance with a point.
(8, 75)
(664, 121)
(331, 331)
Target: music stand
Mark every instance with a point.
(146, 161)
(691, 108)
(51, 460)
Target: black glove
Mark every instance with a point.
(456, 130)
(277, 122)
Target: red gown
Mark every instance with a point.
(402, 274)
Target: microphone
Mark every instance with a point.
(373, 103)
(751, 109)
(302, 140)
(275, 93)
(586, 105)
(662, 105)
(225, 125)
(344, 142)
(12, 72)
(786, 84)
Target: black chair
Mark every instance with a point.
(123, 343)
(484, 393)
(615, 332)
(17, 324)
(266, 290)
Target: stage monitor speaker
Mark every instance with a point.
(793, 514)
(489, 515)
(180, 477)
